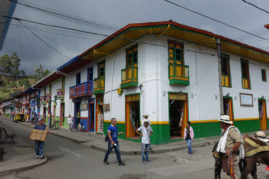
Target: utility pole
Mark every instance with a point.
(220, 75)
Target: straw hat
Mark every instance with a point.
(260, 134)
(225, 119)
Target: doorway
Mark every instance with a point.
(62, 115)
(228, 107)
(132, 115)
(99, 113)
(91, 115)
(178, 114)
(262, 114)
(77, 114)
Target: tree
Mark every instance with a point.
(39, 73)
(5, 64)
(15, 64)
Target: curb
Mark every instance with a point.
(133, 152)
(21, 166)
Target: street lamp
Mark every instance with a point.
(266, 26)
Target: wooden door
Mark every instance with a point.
(262, 114)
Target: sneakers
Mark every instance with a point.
(106, 163)
(36, 157)
(121, 164)
(41, 156)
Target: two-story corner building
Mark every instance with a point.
(167, 71)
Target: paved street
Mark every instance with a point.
(68, 159)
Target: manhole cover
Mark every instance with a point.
(133, 176)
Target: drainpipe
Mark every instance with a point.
(220, 80)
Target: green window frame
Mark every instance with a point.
(101, 69)
(132, 56)
(175, 52)
(245, 74)
(225, 70)
(264, 77)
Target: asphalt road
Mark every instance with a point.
(72, 160)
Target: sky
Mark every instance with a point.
(53, 47)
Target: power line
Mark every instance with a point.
(254, 5)
(98, 34)
(42, 40)
(216, 20)
(66, 16)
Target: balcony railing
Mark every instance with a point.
(179, 74)
(226, 82)
(129, 77)
(99, 85)
(245, 83)
(83, 89)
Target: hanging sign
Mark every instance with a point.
(246, 99)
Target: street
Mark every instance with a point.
(67, 159)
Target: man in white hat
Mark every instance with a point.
(145, 132)
(230, 145)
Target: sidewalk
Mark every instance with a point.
(96, 141)
(18, 156)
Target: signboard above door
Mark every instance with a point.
(246, 99)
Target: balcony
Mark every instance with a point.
(99, 86)
(226, 82)
(179, 74)
(245, 83)
(83, 89)
(129, 77)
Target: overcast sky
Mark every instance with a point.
(116, 14)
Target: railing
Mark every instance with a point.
(99, 85)
(129, 77)
(245, 83)
(179, 74)
(225, 80)
(83, 89)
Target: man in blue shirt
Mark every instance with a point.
(39, 145)
(112, 132)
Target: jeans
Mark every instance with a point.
(189, 142)
(144, 151)
(109, 149)
(39, 147)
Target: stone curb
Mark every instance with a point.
(20, 166)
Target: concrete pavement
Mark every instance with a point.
(18, 156)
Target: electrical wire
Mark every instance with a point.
(257, 7)
(66, 16)
(47, 44)
(215, 20)
(93, 33)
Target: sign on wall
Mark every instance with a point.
(84, 107)
(246, 99)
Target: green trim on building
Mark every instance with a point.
(128, 85)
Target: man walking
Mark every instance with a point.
(145, 132)
(39, 145)
(112, 132)
(230, 144)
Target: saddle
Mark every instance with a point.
(256, 146)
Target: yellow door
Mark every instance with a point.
(262, 113)
(131, 103)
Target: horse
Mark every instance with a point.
(246, 165)
(249, 163)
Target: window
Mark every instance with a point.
(225, 71)
(132, 56)
(90, 74)
(264, 75)
(175, 50)
(78, 78)
(101, 70)
(245, 74)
